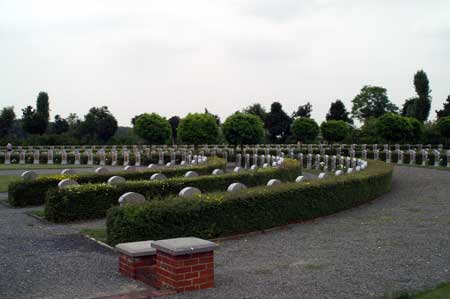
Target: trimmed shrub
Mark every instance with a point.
(221, 214)
(22, 194)
(93, 200)
(305, 129)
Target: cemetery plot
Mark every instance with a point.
(224, 213)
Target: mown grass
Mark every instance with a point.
(98, 234)
(5, 180)
(442, 291)
(40, 166)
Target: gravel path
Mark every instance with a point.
(400, 241)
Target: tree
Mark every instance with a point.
(417, 130)
(419, 107)
(7, 117)
(43, 106)
(198, 128)
(338, 112)
(32, 122)
(243, 128)
(214, 115)
(60, 125)
(445, 111)
(154, 128)
(334, 130)
(443, 126)
(394, 128)
(258, 110)
(372, 101)
(303, 111)
(133, 120)
(174, 122)
(278, 123)
(99, 124)
(305, 129)
(369, 132)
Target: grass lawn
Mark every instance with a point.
(97, 233)
(40, 166)
(442, 291)
(5, 180)
(39, 213)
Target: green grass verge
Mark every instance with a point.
(98, 234)
(41, 166)
(38, 213)
(442, 291)
(5, 180)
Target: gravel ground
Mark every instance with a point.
(400, 241)
(39, 260)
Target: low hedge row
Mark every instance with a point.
(221, 214)
(91, 201)
(22, 193)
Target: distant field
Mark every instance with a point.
(40, 166)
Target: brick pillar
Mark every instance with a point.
(183, 273)
(184, 264)
(139, 268)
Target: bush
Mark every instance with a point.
(394, 128)
(334, 130)
(243, 128)
(22, 193)
(93, 200)
(198, 128)
(153, 128)
(221, 214)
(305, 129)
(443, 125)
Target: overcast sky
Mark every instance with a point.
(175, 57)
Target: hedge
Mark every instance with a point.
(91, 201)
(222, 214)
(22, 193)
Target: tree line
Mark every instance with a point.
(382, 121)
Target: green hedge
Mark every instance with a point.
(93, 200)
(22, 193)
(221, 214)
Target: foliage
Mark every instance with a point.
(443, 126)
(7, 117)
(154, 128)
(33, 122)
(305, 129)
(91, 201)
(394, 128)
(334, 130)
(174, 122)
(198, 128)
(99, 124)
(444, 111)
(43, 106)
(243, 128)
(214, 215)
(338, 112)
(416, 133)
(278, 123)
(22, 193)
(258, 110)
(419, 107)
(372, 101)
(60, 125)
(303, 111)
